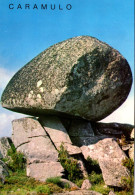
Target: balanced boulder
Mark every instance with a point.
(80, 77)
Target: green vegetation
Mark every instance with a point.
(128, 182)
(19, 184)
(92, 165)
(70, 165)
(16, 160)
(96, 178)
(101, 188)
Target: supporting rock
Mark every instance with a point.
(42, 158)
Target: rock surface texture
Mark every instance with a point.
(3, 171)
(80, 77)
(109, 156)
(79, 192)
(42, 157)
(4, 146)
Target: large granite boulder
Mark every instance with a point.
(80, 77)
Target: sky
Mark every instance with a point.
(24, 33)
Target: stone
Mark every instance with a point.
(71, 184)
(111, 193)
(55, 129)
(24, 129)
(79, 192)
(86, 185)
(109, 156)
(3, 171)
(132, 133)
(113, 171)
(5, 145)
(31, 139)
(43, 171)
(80, 128)
(131, 152)
(85, 141)
(112, 129)
(58, 134)
(39, 149)
(80, 77)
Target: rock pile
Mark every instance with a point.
(69, 87)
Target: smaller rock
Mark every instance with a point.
(24, 129)
(43, 171)
(86, 185)
(131, 152)
(115, 129)
(58, 134)
(4, 146)
(71, 149)
(109, 156)
(132, 133)
(111, 193)
(126, 147)
(71, 184)
(79, 192)
(3, 171)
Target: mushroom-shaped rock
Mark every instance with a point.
(80, 77)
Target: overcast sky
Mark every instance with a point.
(24, 33)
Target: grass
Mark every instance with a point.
(19, 183)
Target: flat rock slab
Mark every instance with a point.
(113, 171)
(58, 134)
(39, 149)
(81, 77)
(109, 156)
(31, 139)
(79, 192)
(42, 171)
(24, 129)
(54, 127)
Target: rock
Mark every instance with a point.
(81, 77)
(80, 128)
(126, 147)
(82, 167)
(85, 141)
(31, 139)
(71, 184)
(86, 185)
(42, 171)
(24, 129)
(113, 129)
(58, 134)
(131, 152)
(79, 192)
(111, 193)
(112, 172)
(3, 171)
(109, 156)
(4, 146)
(132, 134)
(39, 150)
